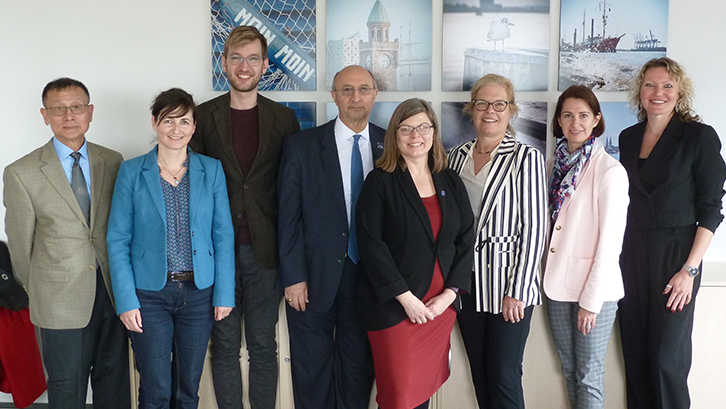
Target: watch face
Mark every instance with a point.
(384, 61)
(368, 61)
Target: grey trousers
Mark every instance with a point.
(258, 301)
(582, 356)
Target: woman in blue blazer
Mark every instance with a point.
(171, 250)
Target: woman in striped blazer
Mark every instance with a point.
(506, 183)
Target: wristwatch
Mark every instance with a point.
(692, 271)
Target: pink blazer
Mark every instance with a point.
(582, 260)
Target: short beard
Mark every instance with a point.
(252, 87)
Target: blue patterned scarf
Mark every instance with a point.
(567, 167)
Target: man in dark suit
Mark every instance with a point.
(245, 130)
(58, 199)
(320, 177)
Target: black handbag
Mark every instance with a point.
(12, 294)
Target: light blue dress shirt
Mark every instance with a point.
(66, 160)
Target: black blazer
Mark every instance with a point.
(681, 182)
(397, 247)
(254, 192)
(313, 220)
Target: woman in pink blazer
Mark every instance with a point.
(588, 202)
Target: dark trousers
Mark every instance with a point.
(332, 365)
(656, 342)
(100, 350)
(258, 301)
(495, 349)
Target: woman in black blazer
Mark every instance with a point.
(676, 176)
(415, 232)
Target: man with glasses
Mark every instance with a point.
(321, 174)
(58, 198)
(245, 130)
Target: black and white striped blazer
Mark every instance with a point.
(512, 225)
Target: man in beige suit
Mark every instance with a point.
(58, 199)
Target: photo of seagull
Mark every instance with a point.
(499, 31)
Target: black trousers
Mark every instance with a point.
(495, 349)
(100, 350)
(656, 342)
(332, 365)
(259, 303)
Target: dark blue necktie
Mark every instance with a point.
(356, 184)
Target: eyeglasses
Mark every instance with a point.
(423, 129)
(252, 60)
(61, 110)
(483, 105)
(349, 91)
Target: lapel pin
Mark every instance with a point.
(379, 145)
(443, 193)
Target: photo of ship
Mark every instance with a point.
(595, 48)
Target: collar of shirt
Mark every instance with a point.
(66, 160)
(344, 142)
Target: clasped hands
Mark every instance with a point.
(420, 313)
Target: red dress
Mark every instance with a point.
(411, 361)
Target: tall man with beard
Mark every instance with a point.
(320, 172)
(245, 130)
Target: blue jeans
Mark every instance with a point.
(181, 315)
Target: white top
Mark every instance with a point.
(474, 182)
(344, 141)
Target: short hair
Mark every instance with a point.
(335, 77)
(684, 105)
(63, 83)
(244, 35)
(585, 94)
(392, 158)
(494, 79)
(174, 101)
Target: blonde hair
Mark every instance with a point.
(392, 158)
(489, 80)
(244, 35)
(684, 106)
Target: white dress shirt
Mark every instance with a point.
(344, 141)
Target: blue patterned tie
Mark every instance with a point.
(80, 190)
(356, 183)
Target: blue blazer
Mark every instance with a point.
(137, 230)
(312, 220)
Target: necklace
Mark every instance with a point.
(174, 175)
(476, 148)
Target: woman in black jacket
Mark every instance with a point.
(415, 234)
(676, 176)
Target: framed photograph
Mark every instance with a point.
(506, 37)
(391, 38)
(617, 116)
(288, 26)
(530, 125)
(604, 43)
(305, 113)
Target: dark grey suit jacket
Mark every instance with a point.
(255, 192)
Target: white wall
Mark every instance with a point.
(127, 51)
